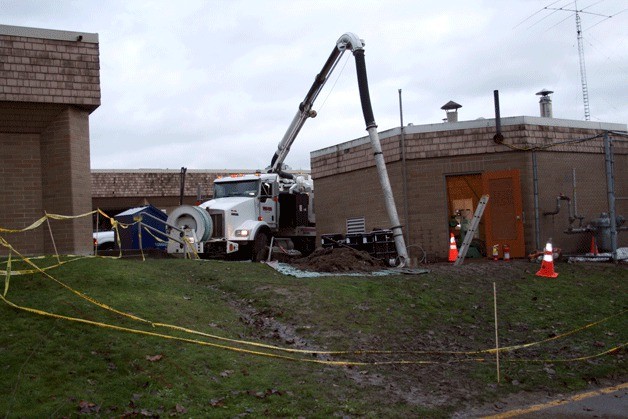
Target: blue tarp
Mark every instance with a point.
(129, 237)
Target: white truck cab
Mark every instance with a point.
(243, 215)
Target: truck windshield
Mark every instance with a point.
(248, 188)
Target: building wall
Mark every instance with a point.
(117, 190)
(49, 84)
(21, 186)
(347, 185)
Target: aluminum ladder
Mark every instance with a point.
(471, 231)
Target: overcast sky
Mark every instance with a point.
(215, 84)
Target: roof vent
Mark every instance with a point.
(545, 103)
(451, 108)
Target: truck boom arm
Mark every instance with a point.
(356, 45)
(347, 41)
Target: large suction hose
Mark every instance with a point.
(371, 127)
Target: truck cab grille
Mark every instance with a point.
(219, 225)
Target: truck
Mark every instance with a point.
(247, 212)
(244, 214)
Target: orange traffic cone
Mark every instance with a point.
(453, 250)
(593, 250)
(547, 266)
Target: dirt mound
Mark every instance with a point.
(341, 259)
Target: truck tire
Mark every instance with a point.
(259, 251)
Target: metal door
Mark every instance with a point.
(504, 212)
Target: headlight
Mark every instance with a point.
(242, 233)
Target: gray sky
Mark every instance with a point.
(215, 84)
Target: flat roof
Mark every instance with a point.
(477, 123)
(55, 34)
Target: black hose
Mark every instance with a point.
(363, 86)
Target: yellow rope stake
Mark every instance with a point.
(6, 281)
(52, 238)
(496, 334)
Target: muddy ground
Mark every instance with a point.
(431, 385)
(342, 259)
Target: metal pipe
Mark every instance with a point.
(378, 155)
(535, 185)
(575, 215)
(557, 210)
(610, 188)
(404, 170)
(498, 137)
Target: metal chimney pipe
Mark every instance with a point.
(545, 103)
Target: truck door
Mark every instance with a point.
(268, 203)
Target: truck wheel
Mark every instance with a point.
(259, 247)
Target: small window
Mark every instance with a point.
(356, 225)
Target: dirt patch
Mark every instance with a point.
(341, 259)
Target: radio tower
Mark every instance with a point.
(583, 70)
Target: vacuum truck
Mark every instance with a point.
(246, 212)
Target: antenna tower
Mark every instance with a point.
(583, 70)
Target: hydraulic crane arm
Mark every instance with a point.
(347, 41)
(356, 45)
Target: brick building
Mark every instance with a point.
(49, 85)
(114, 191)
(449, 166)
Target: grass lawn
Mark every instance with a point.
(56, 367)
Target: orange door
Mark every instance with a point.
(503, 214)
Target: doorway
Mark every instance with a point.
(502, 221)
(463, 194)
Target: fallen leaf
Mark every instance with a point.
(216, 403)
(226, 373)
(180, 409)
(88, 407)
(154, 358)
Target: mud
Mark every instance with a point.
(341, 259)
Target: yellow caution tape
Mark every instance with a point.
(8, 276)
(252, 352)
(115, 224)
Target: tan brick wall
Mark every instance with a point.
(20, 183)
(49, 83)
(66, 181)
(347, 185)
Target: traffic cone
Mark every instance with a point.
(547, 266)
(453, 250)
(593, 250)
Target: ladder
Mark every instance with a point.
(471, 231)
